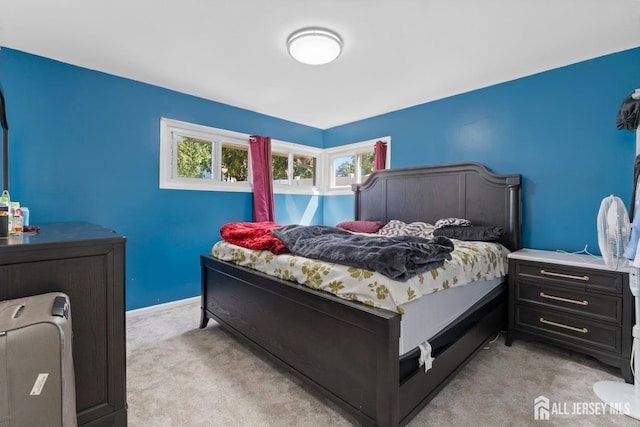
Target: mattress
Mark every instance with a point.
(425, 317)
(470, 263)
(449, 334)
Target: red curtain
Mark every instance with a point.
(380, 156)
(260, 148)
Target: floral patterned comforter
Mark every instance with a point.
(470, 261)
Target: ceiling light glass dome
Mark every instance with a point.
(314, 46)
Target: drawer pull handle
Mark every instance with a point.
(569, 300)
(563, 326)
(564, 276)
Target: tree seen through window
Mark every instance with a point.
(194, 158)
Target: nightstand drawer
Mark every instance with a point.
(569, 328)
(575, 277)
(593, 305)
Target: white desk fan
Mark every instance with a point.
(613, 231)
(620, 396)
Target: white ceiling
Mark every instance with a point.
(397, 53)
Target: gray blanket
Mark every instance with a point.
(399, 258)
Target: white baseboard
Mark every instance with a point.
(145, 311)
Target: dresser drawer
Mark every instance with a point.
(575, 277)
(568, 328)
(592, 305)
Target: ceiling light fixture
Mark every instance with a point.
(314, 46)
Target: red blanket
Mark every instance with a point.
(253, 235)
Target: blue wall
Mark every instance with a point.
(85, 147)
(557, 129)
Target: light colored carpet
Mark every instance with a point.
(180, 375)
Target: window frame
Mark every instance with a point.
(168, 165)
(292, 149)
(356, 149)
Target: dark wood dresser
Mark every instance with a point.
(573, 301)
(87, 262)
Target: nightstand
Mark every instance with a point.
(573, 301)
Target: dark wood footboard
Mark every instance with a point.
(347, 351)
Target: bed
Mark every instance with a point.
(350, 351)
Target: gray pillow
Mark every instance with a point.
(471, 232)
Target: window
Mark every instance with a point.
(344, 171)
(280, 167)
(195, 157)
(304, 170)
(294, 167)
(234, 162)
(352, 164)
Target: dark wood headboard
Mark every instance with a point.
(429, 193)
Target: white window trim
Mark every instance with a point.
(168, 169)
(292, 148)
(344, 150)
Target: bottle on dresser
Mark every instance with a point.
(16, 219)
